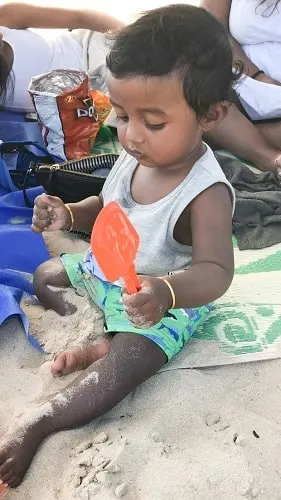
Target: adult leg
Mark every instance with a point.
(241, 137)
(52, 274)
(132, 359)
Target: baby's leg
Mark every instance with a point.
(131, 360)
(52, 274)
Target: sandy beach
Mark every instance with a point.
(186, 434)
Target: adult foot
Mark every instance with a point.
(78, 359)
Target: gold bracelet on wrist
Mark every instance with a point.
(173, 295)
(71, 217)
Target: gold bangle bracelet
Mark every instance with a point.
(172, 292)
(71, 217)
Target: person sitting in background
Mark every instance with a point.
(25, 53)
(252, 128)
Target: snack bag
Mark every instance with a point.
(102, 104)
(66, 112)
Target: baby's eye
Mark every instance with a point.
(123, 119)
(158, 126)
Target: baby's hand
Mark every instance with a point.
(49, 214)
(148, 306)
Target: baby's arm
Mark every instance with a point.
(212, 269)
(211, 272)
(22, 16)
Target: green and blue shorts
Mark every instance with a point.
(170, 334)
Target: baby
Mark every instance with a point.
(170, 81)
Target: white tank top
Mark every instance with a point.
(159, 253)
(33, 55)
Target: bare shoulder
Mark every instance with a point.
(211, 226)
(210, 209)
(214, 202)
(215, 197)
(211, 212)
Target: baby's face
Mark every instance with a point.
(154, 122)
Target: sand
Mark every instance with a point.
(56, 333)
(183, 435)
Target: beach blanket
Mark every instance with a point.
(245, 324)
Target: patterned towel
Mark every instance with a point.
(245, 324)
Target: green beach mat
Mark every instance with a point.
(245, 324)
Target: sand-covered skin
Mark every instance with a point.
(56, 333)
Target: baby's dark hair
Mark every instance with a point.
(179, 39)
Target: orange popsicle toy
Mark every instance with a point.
(115, 242)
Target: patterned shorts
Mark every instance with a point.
(170, 334)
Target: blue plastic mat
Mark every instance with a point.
(21, 251)
(20, 248)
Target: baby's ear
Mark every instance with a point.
(215, 115)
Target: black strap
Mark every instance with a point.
(24, 187)
(257, 73)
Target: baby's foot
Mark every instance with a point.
(17, 452)
(78, 359)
